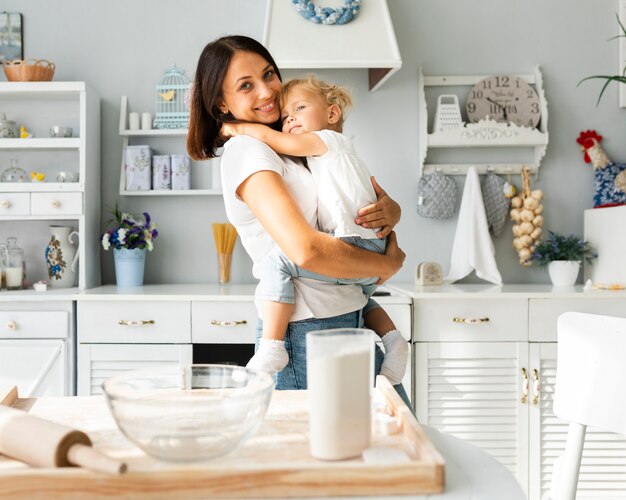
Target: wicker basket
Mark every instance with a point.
(29, 70)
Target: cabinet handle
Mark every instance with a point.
(525, 386)
(536, 387)
(216, 322)
(5, 204)
(55, 203)
(136, 322)
(470, 320)
(12, 325)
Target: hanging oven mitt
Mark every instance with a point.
(436, 196)
(496, 204)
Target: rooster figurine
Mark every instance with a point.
(609, 177)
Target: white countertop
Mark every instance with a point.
(170, 292)
(489, 291)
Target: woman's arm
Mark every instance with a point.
(385, 213)
(307, 144)
(271, 202)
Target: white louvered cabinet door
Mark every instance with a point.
(474, 390)
(98, 362)
(603, 465)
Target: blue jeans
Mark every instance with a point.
(276, 273)
(293, 376)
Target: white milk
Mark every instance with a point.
(14, 277)
(339, 387)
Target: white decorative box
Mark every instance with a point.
(605, 229)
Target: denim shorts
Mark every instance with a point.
(293, 376)
(276, 273)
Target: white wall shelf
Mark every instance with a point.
(129, 136)
(39, 106)
(486, 133)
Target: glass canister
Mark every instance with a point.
(16, 265)
(3, 266)
(14, 173)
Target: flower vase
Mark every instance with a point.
(563, 272)
(129, 266)
(61, 257)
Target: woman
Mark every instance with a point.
(237, 79)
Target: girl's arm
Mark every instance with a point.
(307, 144)
(271, 202)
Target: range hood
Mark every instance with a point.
(368, 41)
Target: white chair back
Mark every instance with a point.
(589, 391)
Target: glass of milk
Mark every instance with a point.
(340, 374)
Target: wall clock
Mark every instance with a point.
(504, 98)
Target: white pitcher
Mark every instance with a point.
(61, 256)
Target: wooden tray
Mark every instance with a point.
(274, 463)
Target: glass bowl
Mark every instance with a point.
(189, 412)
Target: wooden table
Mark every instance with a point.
(469, 472)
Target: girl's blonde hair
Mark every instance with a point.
(329, 92)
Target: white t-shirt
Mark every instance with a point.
(244, 156)
(343, 186)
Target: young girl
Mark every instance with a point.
(312, 115)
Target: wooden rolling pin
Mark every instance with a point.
(42, 443)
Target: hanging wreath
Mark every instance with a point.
(327, 15)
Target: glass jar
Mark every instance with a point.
(14, 173)
(3, 266)
(16, 265)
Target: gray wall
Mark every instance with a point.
(122, 48)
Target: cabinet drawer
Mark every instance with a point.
(223, 322)
(134, 322)
(14, 203)
(34, 324)
(544, 313)
(495, 320)
(56, 203)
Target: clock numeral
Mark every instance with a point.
(530, 93)
(502, 81)
(486, 84)
(534, 108)
(517, 83)
(477, 94)
(495, 108)
(511, 109)
(530, 123)
(471, 107)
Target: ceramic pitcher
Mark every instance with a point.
(61, 256)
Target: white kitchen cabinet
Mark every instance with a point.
(39, 106)
(205, 178)
(36, 350)
(474, 390)
(481, 136)
(471, 378)
(98, 362)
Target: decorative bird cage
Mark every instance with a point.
(172, 111)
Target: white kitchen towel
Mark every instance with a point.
(472, 248)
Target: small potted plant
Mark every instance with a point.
(130, 236)
(610, 78)
(563, 255)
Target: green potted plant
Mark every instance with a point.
(562, 256)
(610, 78)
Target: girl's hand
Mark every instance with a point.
(395, 256)
(385, 213)
(231, 129)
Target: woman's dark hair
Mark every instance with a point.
(205, 119)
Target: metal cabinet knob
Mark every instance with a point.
(136, 322)
(470, 320)
(216, 322)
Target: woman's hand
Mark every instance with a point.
(396, 258)
(385, 213)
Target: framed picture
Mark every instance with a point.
(11, 36)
